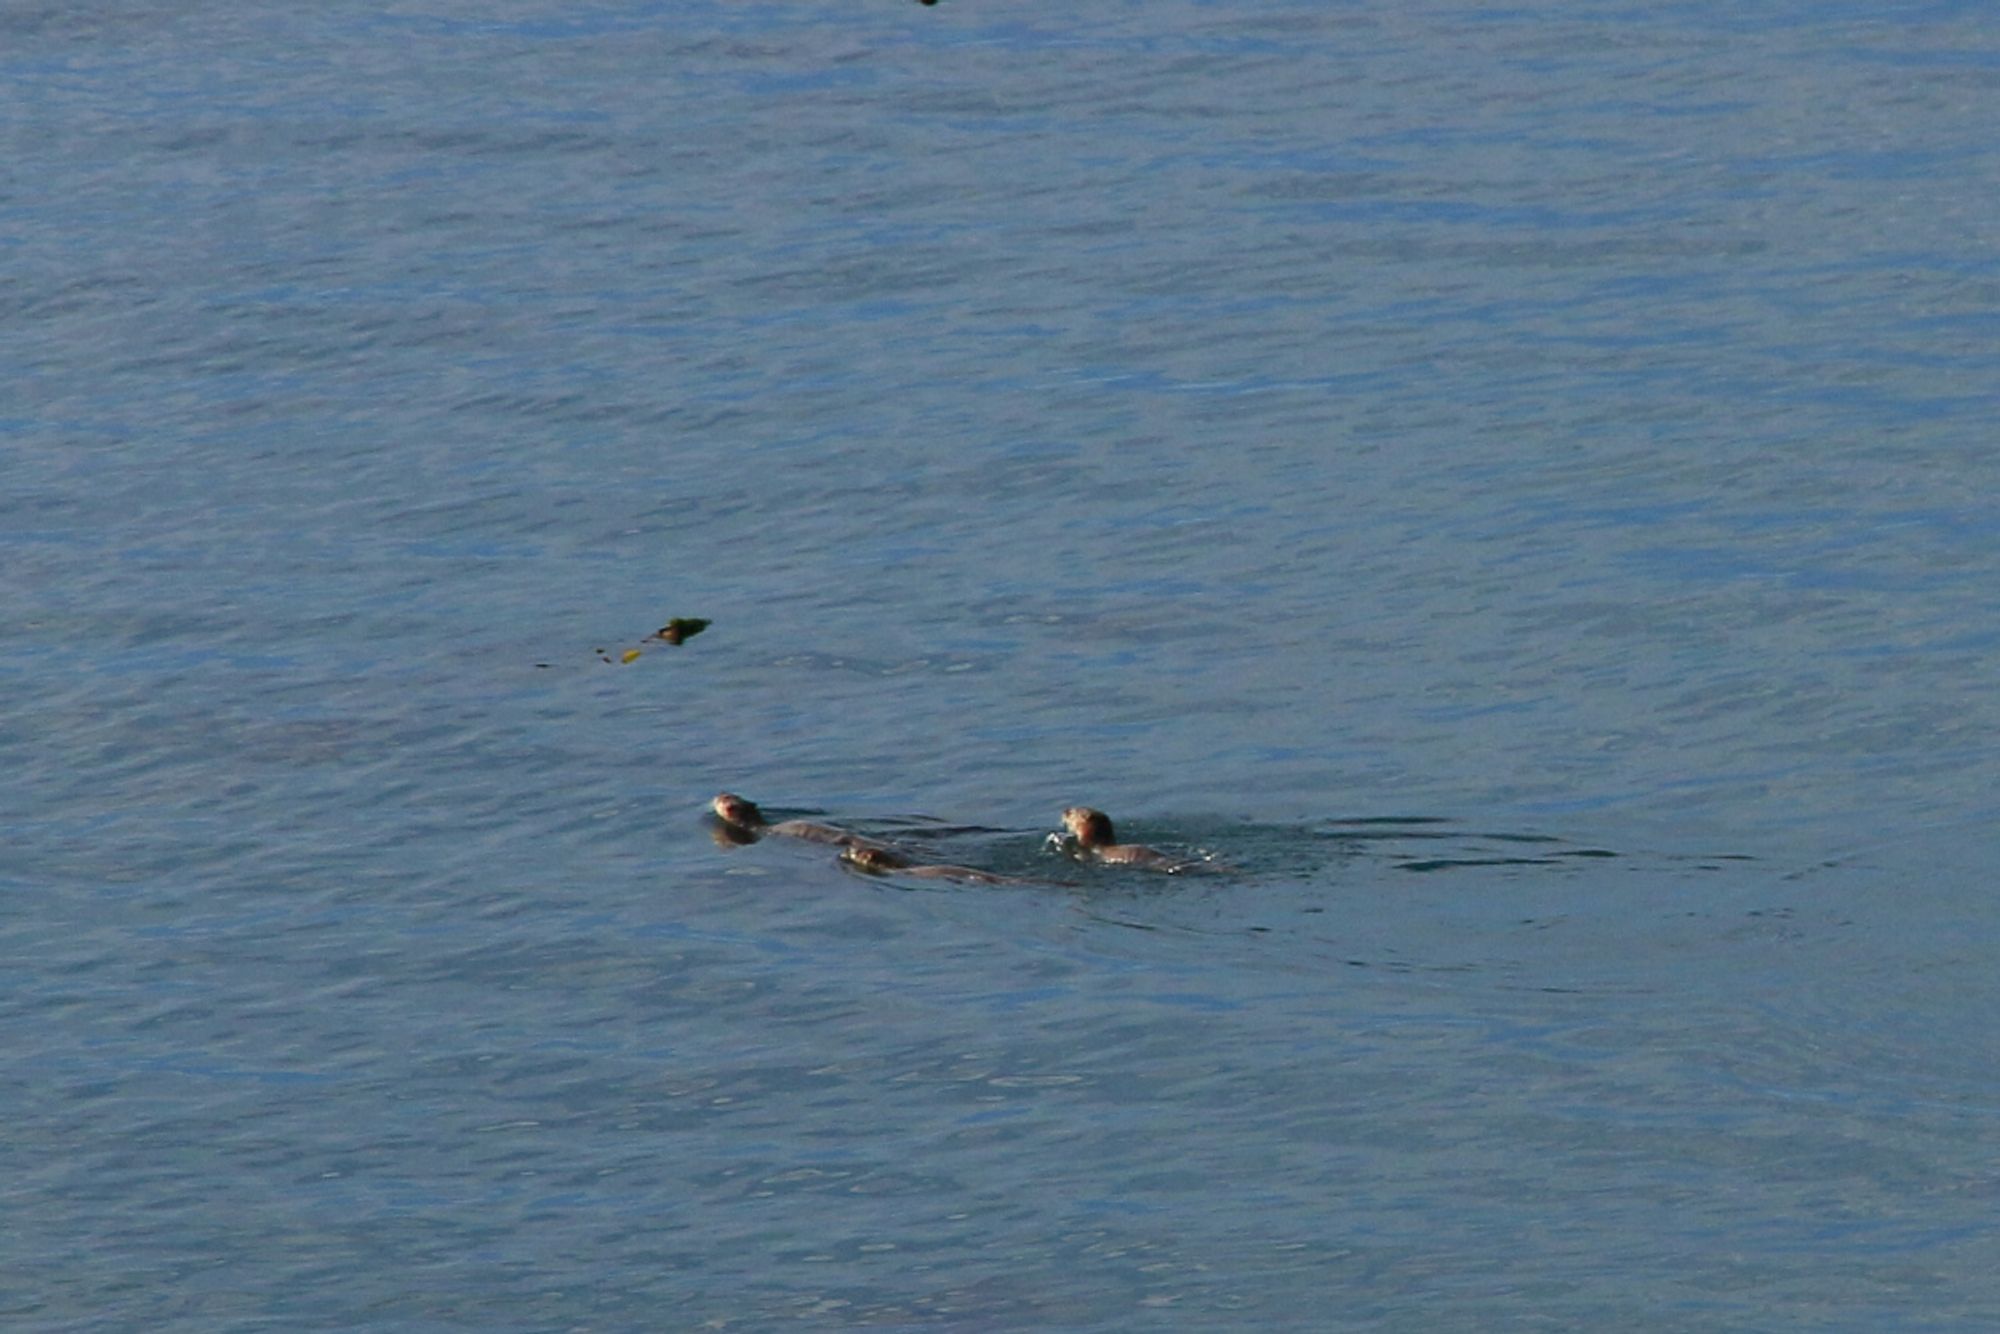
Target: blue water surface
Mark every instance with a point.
(1516, 485)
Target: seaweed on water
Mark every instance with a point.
(677, 631)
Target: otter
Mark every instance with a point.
(1096, 841)
(742, 821)
(881, 861)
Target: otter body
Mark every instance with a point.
(881, 861)
(1096, 841)
(741, 815)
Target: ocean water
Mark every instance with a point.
(1515, 485)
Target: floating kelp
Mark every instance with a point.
(677, 631)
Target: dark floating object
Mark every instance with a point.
(673, 632)
(681, 628)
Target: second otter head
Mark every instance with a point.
(875, 860)
(1092, 828)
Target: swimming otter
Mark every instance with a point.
(881, 861)
(742, 820)
(1096, 841)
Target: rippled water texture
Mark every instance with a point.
(1515, 484)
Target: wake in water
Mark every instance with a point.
(1088, 843)
(886, 846)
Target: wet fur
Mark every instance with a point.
(740, 813)
(1097, 841)
(880, 861)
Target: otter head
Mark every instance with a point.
(870, 859)
(1092, 828)
(734, 810)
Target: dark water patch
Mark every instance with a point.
(1449, 863)
(1379, 839)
